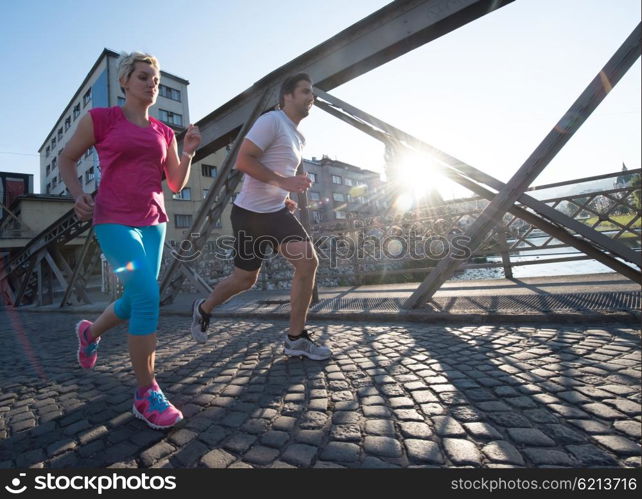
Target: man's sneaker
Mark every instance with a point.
(200, 321)
(87, 347)
(154, 408)
(304, 345)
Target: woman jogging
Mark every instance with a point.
(129, 218)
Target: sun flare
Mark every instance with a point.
(417, 179)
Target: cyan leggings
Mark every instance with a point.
(135, 256)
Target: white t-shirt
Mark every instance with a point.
(277, 136)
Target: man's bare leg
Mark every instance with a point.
(238, 281)
(302, 256)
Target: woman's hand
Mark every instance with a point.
(192, 139)
(84, 206)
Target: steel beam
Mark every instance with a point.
(388, 33)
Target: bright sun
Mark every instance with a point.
(416, 177)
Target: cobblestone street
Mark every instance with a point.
(393, 395)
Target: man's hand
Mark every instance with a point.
(291, 205)
(298, 183)
(84, 206)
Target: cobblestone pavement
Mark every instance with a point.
(393, 395)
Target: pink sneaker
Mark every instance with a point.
(87, 349)
(155, 409)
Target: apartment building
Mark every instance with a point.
(340, 190)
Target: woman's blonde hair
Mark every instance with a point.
(127, 64)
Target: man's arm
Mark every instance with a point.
(248, 162)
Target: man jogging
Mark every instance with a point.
(262, 216)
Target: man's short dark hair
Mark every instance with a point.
(289, 84)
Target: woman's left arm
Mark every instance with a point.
(178, 167)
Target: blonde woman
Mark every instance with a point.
(129, 219)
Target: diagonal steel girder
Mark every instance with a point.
(384, 132)
(461, 172)
(571, 121)
(390, 32)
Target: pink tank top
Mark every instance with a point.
(132, 161)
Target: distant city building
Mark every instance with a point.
(13, 185)
(341, 190)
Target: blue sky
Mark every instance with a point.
(487, 93)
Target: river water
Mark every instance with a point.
(542, 269)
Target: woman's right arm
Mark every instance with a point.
(81, 140)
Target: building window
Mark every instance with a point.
(171, 118)
(205, 193)
(340, 215)
(54, 182)
(185, 194)
(208, 171)
(86, 98)
(316, 217)
(183, 221)
(170, 93)
(67, 123)
(47, 151)
(48, 169)
(54, 164)
(314, 196)
(348, 181)
(313, 177)
(48, 190)
(53, 143)
(120, 101)
(60, 134)
(336, 179)
(337, 196)
(76, 111)
(89, 175)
